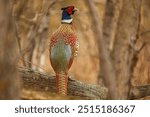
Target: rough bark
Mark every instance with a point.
(141, 75)
(139, 92)
(37, 85)
(37, 81)
(111, 16)
(9, 82)
(123, 53)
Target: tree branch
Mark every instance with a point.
(139, 91)
(34, 80)
(145, 32)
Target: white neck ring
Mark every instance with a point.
(67, 21)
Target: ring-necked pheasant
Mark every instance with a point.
(63, 48)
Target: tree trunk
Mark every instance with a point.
(123, 52)
(111, 16)
(9, 83)
(106, 68)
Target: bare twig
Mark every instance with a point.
(33, 64)
(37, 32)
(16, 15)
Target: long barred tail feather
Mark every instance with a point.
(61, 83)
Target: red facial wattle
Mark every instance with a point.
(70, 10)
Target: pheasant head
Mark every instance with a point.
(67, 14)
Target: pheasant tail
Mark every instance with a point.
(61, 83)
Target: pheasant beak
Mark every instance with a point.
(75, 9)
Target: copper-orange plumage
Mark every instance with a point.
(63, 48)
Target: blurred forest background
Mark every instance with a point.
(114, 40)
